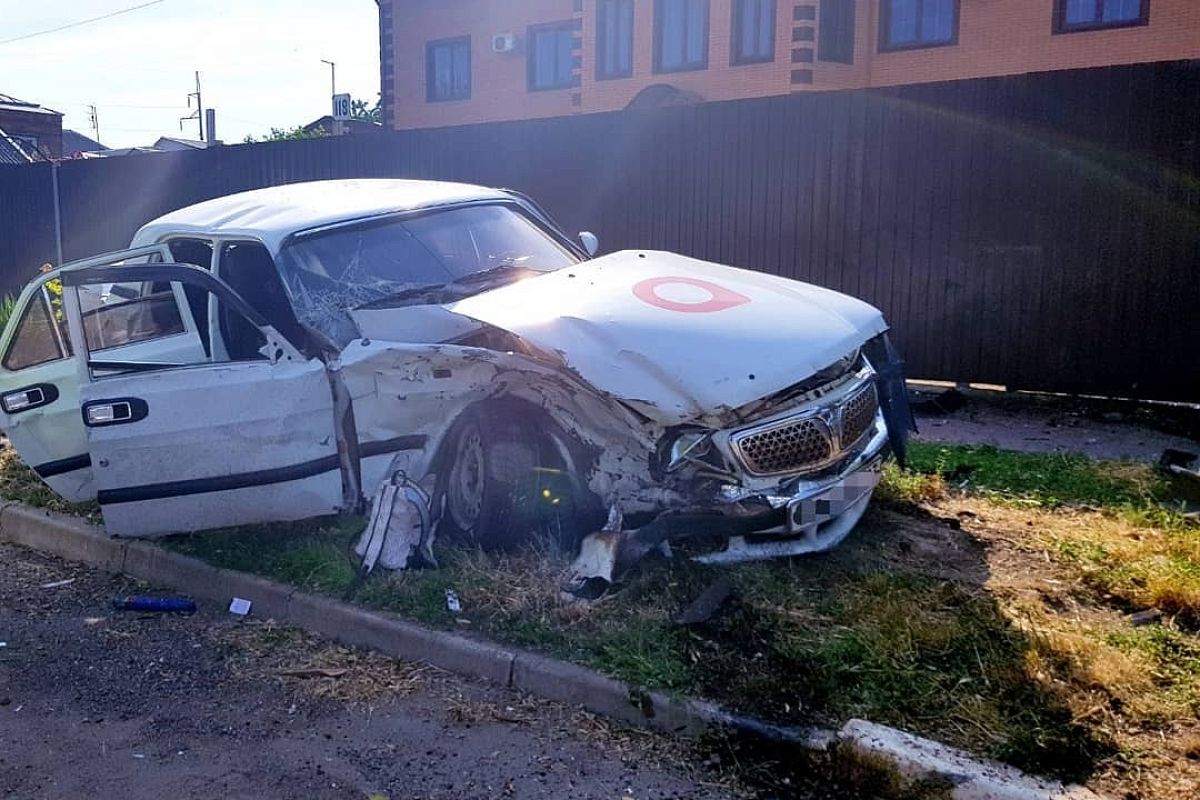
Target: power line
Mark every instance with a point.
(70, 25)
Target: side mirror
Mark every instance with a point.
(590, 243)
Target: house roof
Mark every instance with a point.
(349, 125)
(272, 215)
(75, 142)
(10, 103)
(12, 152)
(176, 143)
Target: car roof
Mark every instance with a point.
(271, 215)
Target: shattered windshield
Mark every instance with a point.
(404, 260)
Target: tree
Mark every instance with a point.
(289, 134)
(359, 110)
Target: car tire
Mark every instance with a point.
(492, 480)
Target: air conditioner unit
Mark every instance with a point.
(504, 43)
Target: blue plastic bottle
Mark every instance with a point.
(164, 605)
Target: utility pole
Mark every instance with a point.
(337, 125)
(199, 113)
(95, 122)
(332, 77)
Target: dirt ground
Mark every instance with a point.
(97, 703)
(1042, 424)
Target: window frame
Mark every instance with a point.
(736, 57)
(659, 69)
(885, 19)
(1059, 24)
(602, 73)
(824, 43)
(572, 30)
(61, 337)
(431, 76)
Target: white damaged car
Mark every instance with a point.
(287, 352)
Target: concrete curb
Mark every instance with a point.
(887, 761)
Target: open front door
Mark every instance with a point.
(194, 444)
(39, 385)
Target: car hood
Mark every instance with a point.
(676, 337)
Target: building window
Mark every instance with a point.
(448, 69)
(614, 39)
(680, 35)
(551, 56)
(918, 23)
(835, 42)
(1090, 15)
(753, 31)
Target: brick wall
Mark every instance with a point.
(46, 127)
(1016, 36)
(995, 37)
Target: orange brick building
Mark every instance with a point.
(453, 62)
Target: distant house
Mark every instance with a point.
(35, 131)
(75, 144)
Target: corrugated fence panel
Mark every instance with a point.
(26, 224)
(1038, 231)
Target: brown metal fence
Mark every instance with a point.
(1040, 232)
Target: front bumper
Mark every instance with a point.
(809, 515)
(804, 515)
(794, 516)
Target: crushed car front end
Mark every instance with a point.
(789, 474)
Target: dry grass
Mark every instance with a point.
(1067, 579)
(306, 663)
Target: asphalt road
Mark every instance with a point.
(102, 704)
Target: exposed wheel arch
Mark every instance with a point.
(563, 507)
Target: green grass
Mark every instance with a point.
(1041, 479)
(7, 306)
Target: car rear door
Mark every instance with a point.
(194, 444)
(39, 383)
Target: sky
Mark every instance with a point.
(259, 62)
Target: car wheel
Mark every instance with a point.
(491, 483)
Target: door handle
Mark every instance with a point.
(29, 398)
(120, 411)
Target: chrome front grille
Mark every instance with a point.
(808, 441)
(858, 414)
(787, 446)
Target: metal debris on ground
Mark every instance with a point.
(1147, 617)
(707, 604)
(313, 672)
(941, 403)
(1180, 462)
(58, 584)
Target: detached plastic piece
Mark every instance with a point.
(893, 394)
(158, 605)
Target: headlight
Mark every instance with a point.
(687, 445)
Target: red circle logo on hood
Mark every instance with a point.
(719, 298)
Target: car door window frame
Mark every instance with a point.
(39, 293)
(278, 348)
